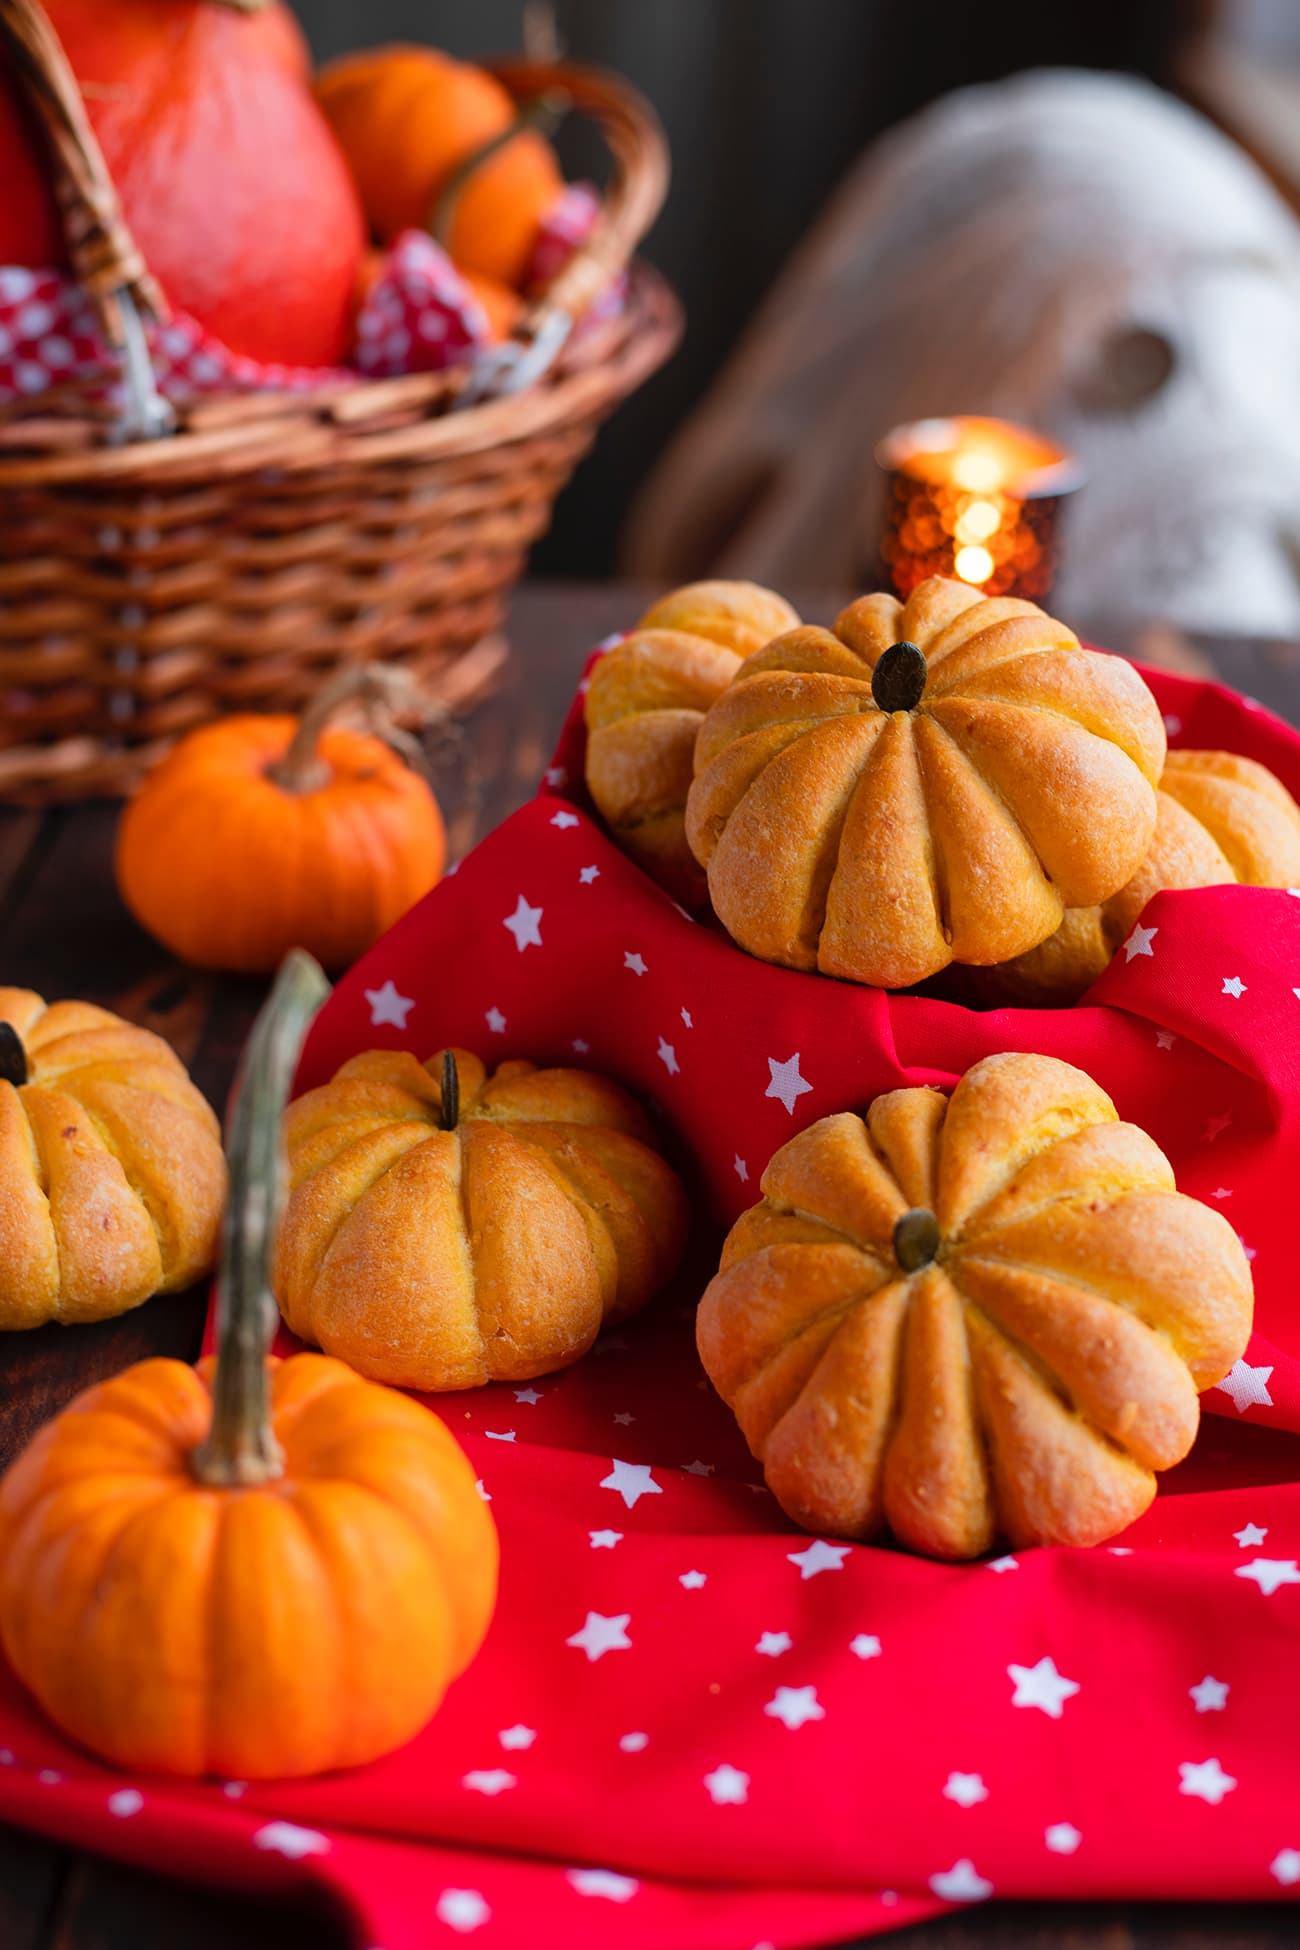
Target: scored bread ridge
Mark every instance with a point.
(882, 844)
(1031, 1376)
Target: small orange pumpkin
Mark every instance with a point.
(260, 1569)
(407, 119)
(261, 834)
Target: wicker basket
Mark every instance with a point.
(148, 584)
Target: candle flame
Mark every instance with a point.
(973, 564)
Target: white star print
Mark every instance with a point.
(556, 775)
(728, 1786)
(462, 1910)
(1216, 1126)
(1004, 1564)
(668, 1057)
(495, 1021)
(387, 1005)
(740, 1168)
(818, 1556)
(1205, 1779)
(698, 1469)
(1250, 1251)
(686, 1018)
(586, 875)
(603, 1882)
(785, 1083)
(126, 1802)
(962, 1883)
(523, 925)
(1209, 1695)
(601, 1635)
(605, 1540)
(1042, 1685)
(1173, 724)
(1247, 1386)
(499, 1435)
(1165, 1039)
(563, 819)
(1285, 1866)
(1248, 1535)
(632, 1480)
(692, 1580)
(1221, 1192)
(773, 1644)
(288, 1839)
(1269, 1573)
(865, 1646)
(635, 962)
(1062, 1837)
(1119, 1550)
(624, 1420)
(50, 1777)
(1233, 985)
(634, 1743)
(489, 1780)
(485, 1494)
(1139, 943)
(794, 1706)
(965, 1789)
(527, 1395)
(579, 1047)
(517, 1737)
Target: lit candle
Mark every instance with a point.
(974, 498)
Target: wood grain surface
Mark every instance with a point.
(65, 933)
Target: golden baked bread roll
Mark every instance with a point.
(440, 1239)
(645, 702)
(112, 1176)
(1220, 819)
(973, 1317)
(926, 783)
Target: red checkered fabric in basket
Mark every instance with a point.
(419, 316)
(691, 1723)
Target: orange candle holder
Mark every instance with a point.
(975, 498)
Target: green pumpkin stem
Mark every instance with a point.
(13, 1057)
(542, 114)
(241, 1447)
(450, 1091)
(916, 1239)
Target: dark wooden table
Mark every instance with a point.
(65, 932)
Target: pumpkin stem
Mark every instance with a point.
(542, 113)
(450, 1113)
(916, 1239)
(241, 1447)
(244, 6)
(13, 1057)
(898, 680)
(382, 691)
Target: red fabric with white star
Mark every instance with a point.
(691, 1723)
(418, 316)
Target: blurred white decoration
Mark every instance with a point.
(1075, 251)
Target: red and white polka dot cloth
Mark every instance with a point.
(419, 316)
(692, 1724)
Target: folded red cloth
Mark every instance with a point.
(691, 1723)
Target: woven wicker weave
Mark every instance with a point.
(146, 587)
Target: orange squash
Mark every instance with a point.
(229, 177)
(407, 118)
(260, 834)
(257, 1570)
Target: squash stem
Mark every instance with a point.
(382, 690)
(240, 1447)
(542, 114)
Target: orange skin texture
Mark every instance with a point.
(228, 175)
(405, 117)
(313, 1622)
(230, 870)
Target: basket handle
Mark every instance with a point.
(630, 205)
(105, 256)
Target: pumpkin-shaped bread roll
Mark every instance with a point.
(926, 783)
(645, 702)
(112, 1176)
(445, 1227)
(973, 1317)
(1220, 819)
